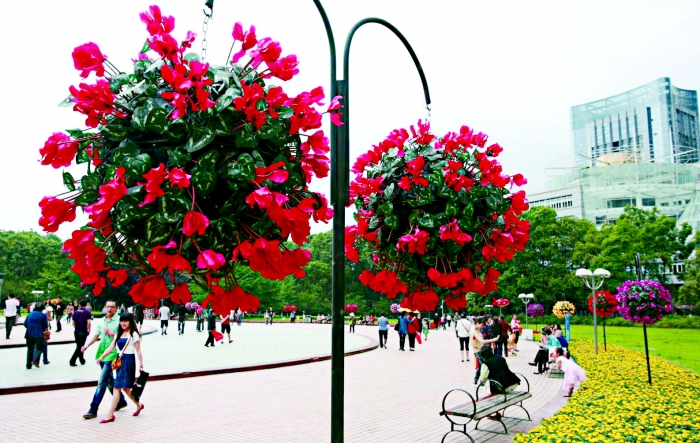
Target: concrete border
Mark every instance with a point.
(37, 387)
(150, 330)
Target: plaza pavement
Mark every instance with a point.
(389, 394)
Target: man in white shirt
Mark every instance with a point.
(11, 305)
(164, 313)
(463, 327)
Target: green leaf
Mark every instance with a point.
(145, 48)
(392, 221)
(137, 166)
(179, 158)
(90, 182)
(82, 157)
(76, 133)
(66, 102)
(427, 221)
(68, 180)
(127, 148)
(201, 137)
(468, 211)
(155, 65)
(245, 138)
(226, 99)
(177, 130)
(208, 160)
(138, 118)
(157, 233)
(242, 170)
(192, 56)
(138, 88)
(170, 210)
(116, 130)
(116, 81)
(203, 181)
(157, 121)
(270, 129)
(87, 198)
(389, 191)
(451, 210)
(284, 112)
(386, 208)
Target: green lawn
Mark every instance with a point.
(680, 346)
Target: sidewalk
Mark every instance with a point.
(388, 394)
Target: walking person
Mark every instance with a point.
(226, 326)
(37, 324)
(200, 319)
(11, 305)
(463, 327)
(181, 319)
(128, 341)
(478, 342)
(272, 315)
(82, 322)
(352, 323)
(426, 328)
(138, 315)
(436, 319)
(239, 316)
(383, 323)
(267, 317)
(449, 320)
(70, 309)
(164, 315)
(48, 311)
(47, 335)
(515, 327)
(505, 329)
(403, 331)
(413, 327)
(211, 327)
(105, 330)
(59, 310)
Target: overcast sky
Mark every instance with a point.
(510, 69)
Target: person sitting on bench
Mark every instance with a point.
(495, 368)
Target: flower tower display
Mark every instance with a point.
(535, 310)
(437, 214)
(192, 170)
(606, 304)
(561, 308)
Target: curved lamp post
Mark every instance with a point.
(594, 281)
(526, 298)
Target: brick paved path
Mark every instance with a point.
(388, 395)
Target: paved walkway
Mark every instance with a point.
(388, 395)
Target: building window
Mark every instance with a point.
(648, 202)
(664, 204)
(678, 268)
(621, 202)
(601, 220)
(687, 202)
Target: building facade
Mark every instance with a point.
(655, 123)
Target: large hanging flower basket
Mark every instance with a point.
(562, 307)
(606, 304)
(643, 301)
(192, 169)
(437, 213)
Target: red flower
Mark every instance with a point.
(456, 302)
(181, 294)
(96, 101)
(424, 300)
(414, 243)
(195, 223)
(79, 244)
(519, 180)
(452, 232)
(117, 277)
(156, 23)
(149, 290)
(154, 179)
(88, 58)
(519, 202)
(55, 211)
(351, 253)
(210, 259)
(385, 282)
(364, 187)
(160, 259)
(59, 150)
(284, 68)
(110, 193)
(247, 38)
(265, 257)
(267, 50)
(272, 173)
(323, 213)
(178, 177)
(315, 163)
(166, 46)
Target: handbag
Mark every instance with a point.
(117, 362)
(139, 384)
(218, 336)
(397, 327)
(47, 334)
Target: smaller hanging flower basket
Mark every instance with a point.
(394, 307)
(500, 303)
(535, 310)
(290, 308)
(606, 304)
(643, 301)
(351, 308)
(562, 307)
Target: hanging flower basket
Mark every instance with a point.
(192, 169)
(535, 310)
(500, 303)
(351, 308)
(606, 306)
(437, 214)
(394, 307)
(562, 307)
(643, 301)
(290, 308)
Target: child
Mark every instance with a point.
(573, 373)
(426, 328)
(511, 345)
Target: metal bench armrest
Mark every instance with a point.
(444, 399)
(505, 398)
(522, 377)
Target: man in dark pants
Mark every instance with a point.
(436, 319)
(82, 322)
(211, 326)
(182, 317)
(11, 311)
(58, 309)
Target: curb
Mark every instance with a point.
(373, 344)
(64, 342)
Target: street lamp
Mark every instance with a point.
(37, 294)
(526, 298)
(593, 280)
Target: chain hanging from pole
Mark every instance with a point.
(208, 13)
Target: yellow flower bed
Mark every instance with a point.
(617, 404)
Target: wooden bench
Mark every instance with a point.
(478, 409)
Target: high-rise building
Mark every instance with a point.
(654, 123)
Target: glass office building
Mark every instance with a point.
(654, 123)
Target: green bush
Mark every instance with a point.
(670, 321)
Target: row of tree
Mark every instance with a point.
(557, 247)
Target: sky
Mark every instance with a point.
(510, 69)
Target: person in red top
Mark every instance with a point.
(413, 328)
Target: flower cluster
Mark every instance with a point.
(394, 307)
(290, 308)
(192, 306)
(535, 310)
(196, 169)
(562, 307)
(617, 404)
(351, 308)
(438, 212)
(500, 303)
(606, 304)
(643, 301)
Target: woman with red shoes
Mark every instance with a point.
(128, 341)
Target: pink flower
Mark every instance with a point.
(154, 179)
(247, 38)
(414, 243)
(195, 223)
(210, 259)
(178, 177)
(59, 150)
(88, 58)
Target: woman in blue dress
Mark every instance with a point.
(128, 343)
